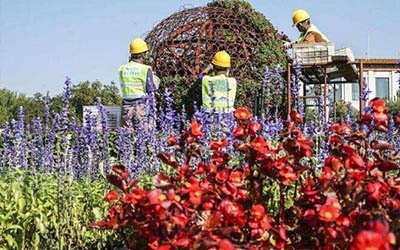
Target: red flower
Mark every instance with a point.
(328, 213)
(257, 212)
(156, 196)
(181, 240)
(195, 128)
(334, 163)
(341, 129)
(181, 220)
(398, 118)
(243, 114)
(220, 157)
(201, 168)
(379, 113)
(259, 142)
(333, 202)
(171, 140)
(164, 247)
(190, 185)
(366, 118)
(353, 160)
(195, 195)
(260, 145)
(294, 116)
(130, 199)
(233, 212)
(160, 180)
(310, 217)
(235, 178)
(222, 176)
(333, 139)
(254, 127)
(376, 190)
(326, 175)
(239, 132)
(301, 146)
(225, 245)
(382, 226)
(332, 233)
(120, 171)
(369, 240)
(215, 145)
(356, 174)
(287, 175)
(343, 221)
(111, 196)
(378, 105)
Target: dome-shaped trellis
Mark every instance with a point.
(184, 43)
(187, 40)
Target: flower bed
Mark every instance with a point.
(213, 198)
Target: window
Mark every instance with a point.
(382, 87)
(355, 92)
(338, 92)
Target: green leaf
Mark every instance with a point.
(21, 204)
(97, 213)
(11, 241)
(15, 227)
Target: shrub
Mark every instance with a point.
(46, 212)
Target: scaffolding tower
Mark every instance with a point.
(340, 69)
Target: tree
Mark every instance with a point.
(82, 94)
(10, 101)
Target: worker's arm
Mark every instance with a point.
(150, 87)
(205, 71)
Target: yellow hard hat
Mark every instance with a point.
(300, 16)
(138, 46)
(222, 59)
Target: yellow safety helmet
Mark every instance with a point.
(138, 46)
(300, 16)
(222, 59)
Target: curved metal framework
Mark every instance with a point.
(184, 43)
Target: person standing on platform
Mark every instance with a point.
(309, 33)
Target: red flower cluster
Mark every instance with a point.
(377, 237)
(380, 113)
(217, 201)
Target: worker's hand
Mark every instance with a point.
(208, 68)
(287, 45)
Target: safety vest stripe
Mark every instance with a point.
(127, 85)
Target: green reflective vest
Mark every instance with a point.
(314, 29)
(224, 90)
(133, 77)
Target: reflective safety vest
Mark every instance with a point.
(222, 89)
(133, 77)
(313, 29)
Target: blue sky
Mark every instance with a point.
(43, 41)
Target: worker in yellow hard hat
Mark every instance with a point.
(218, 89)
(136, 81)
(309, 33)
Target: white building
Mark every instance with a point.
(381, 77)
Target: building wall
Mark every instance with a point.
(370, 80)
